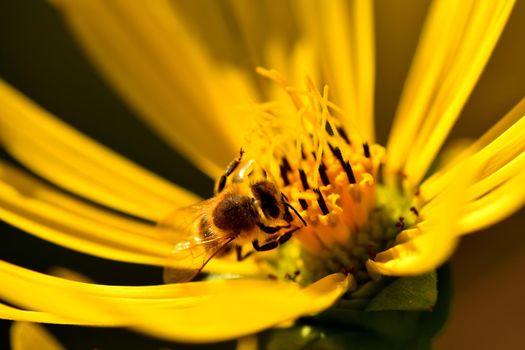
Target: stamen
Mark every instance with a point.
(329, 130)
(337, 153)
(303, 155)
(366, 149)
(343, 134)
(284, 175)
(321, 201)
(303, 203)
(304, 180)
(286, 164)
(349, 226)
(349, 172)
(401, 223)
(324, 176)
(345, 164)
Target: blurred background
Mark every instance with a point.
(39, 57)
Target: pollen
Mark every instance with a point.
(331, 175)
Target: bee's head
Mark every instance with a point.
(269, 198)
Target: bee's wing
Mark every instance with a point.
(188, 261)
(192, 248)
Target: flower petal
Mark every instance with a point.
(73, 231)
(454, 48)
(14, 314)
(30, 336)
(164, 72)
(344, 37)
(68, 158)
(494, 150)
(433, 240)
(496, 205)
(35, 207)
(191, 312)
(497, 191)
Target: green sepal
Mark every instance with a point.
(345, 328)
(407, 293)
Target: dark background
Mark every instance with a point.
(39, 57)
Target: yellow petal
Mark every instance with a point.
(423, 251)
(191, 312)
(14, 314)
(65, 156)
(30, 336)
(512, 117)
(249, 311)
(506, 173)
(76, 232)
(415, 257)
(344, 37)
(498, 190)
(455, 46)
(498, 159)
(31, 205)
(34, 188)
(496, 205)
(157, 65)
(212, 24)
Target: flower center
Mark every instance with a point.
(333, 180)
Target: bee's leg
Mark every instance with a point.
(271, 229)
(229, 170)
(238, 251)
(274, 243)
(266, 246)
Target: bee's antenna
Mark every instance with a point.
(296, 212)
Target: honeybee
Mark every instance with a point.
(247, 208)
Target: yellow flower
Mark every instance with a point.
(316, 141)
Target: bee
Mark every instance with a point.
(247, 208)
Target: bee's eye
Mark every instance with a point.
(271, 210)
(266, 193)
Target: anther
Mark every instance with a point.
(324, 176)
(304, 180)
(329, 129)
(366, 149)
(303, 203)
(414, 210)
(321, 201)
(337, 153)
(303, 155)
(401, 223)
(349, 172)
(345, 164)
(284, 175)
(286, 164)
(343, 134)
